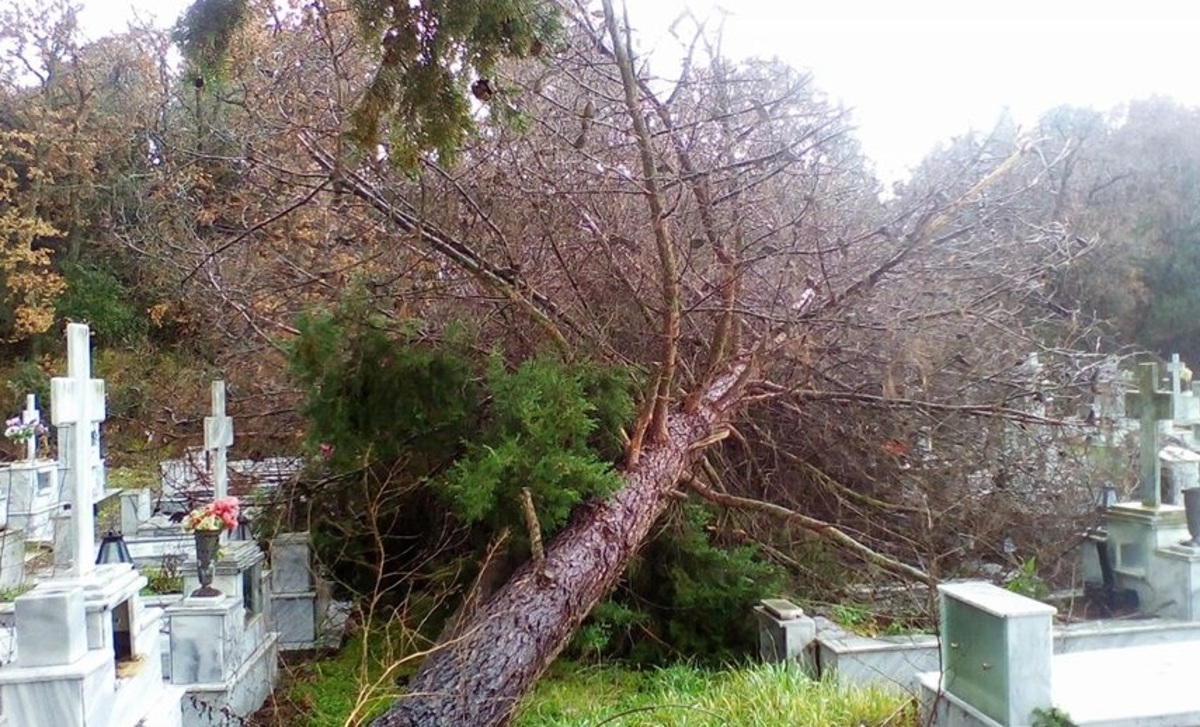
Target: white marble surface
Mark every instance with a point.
(104, 588)
(135, 510)
(1129, 686)
(1180, 471)
(891, 662)
(245, 691)
(12, 558)
(996, 649)
(140, 692)
(994, 600)
(78, 695)
(783, 639)
(290, 563)
(206, 639)
(152, 549)
(32, 490)
(294, 617)
(51, 626)
(166, 710)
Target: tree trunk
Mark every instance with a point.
(479, 678)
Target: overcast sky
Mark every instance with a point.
(919, 71)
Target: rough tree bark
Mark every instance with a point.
(479, 677)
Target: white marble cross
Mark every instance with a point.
(77, 401)
(218, 437)
(1175, 368)
(31, 415)
(1150, 406)
(1179, 371)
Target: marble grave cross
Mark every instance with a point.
(1176, 368)
(218, 437)
(1150, 406)
(31, 415)
(77, 402)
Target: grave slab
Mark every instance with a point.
(12, 558)
(1180, 471)
(1141, 685)
(79, 694)
(246, 691)
(290, 563)
(784, 632)
(885, 661)
(32, 490)
(52, 631)
(996, 650)
(299, 601)
(1177, 582)
(1136, 535)
(205, 639)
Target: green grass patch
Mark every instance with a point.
(161, 581)
(8, 595)
(763, 695)
(353, 686)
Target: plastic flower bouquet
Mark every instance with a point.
(16, 430)
(220, 514)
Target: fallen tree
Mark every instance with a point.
(724, 237)
(492, 660)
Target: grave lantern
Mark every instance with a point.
(113, 549)
(1106, 497)
(243, 531)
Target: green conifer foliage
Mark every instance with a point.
(539, 432)
(433, 57)
(205, 32)
(375, 395)
(420, 437)
(441, 438)
(676, 598)
(431, 52)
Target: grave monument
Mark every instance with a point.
(1143, 544)
(87, 651)
(221, 645)
(31, 486)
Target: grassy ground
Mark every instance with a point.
(328, 693)
(684, 696)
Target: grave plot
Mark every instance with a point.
(999, 668)
(87, 651)
(116, 660)
(31, 486)
(1001, 660)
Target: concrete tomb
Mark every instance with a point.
(999, 668)
(300, 601)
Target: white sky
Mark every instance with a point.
(919, 71)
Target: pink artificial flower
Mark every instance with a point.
(221, 514)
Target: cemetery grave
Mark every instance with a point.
(80, 646)
(1000, 658)
(176, 660)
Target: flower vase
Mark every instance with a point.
(208, 542)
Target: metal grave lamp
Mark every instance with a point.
(243, 532)
(113, 549)
(1106, 497)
